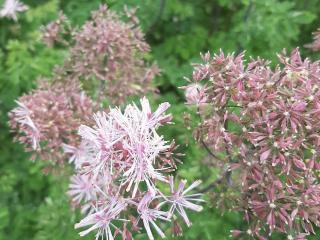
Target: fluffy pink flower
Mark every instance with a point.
(81, 189)
(127, 163)
(84, 153)
(195, 94)
(143, 144)
(102, 219)
(108, 51)
(150, 215)
(11, 8)
(180, 200)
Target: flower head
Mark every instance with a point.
(180, 199)
(47, 119)
(102, 219)
(81, 189)
(127, 163)
(195, 94)
(110, 50)
(264, 122)
(11, 7)
(150, 215)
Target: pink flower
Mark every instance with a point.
(260, 127)
(49, 117)
(104, 135)
(149, 215)
(81, 189)
(126, 150)
(289, 115)
(143, 144)
(112, 51)
(102, 219)
(195, 94)
(180, 200)
(22, 115)
(86, 152)
(11, 7)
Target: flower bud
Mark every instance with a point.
(195, 94)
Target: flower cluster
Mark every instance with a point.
(315, 45)
(106, 51)
(120, 168)
(56, 31)
(48, 117)
(10, 9)
(105, 48)
(261, 126)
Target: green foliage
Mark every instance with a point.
(34, 206)
(55, 213)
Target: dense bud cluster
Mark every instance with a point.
(261, 126)
(120, 169)
(48, 117)
(106, 50)
(56, 31)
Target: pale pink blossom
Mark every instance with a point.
(84, 153)
(195, 94)
(109, 50)
(127, 164)
(23, 116)
(150, 215)
(143, 143)
(102, 219)
(180, 199)
(11, 8)
(81, 188)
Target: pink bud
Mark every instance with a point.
(298, 163)
(195, 94)
(235, 233)
(265, 155)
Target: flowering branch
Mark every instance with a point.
(104, 52)
(272, 134)
(158, 17)
(119, 168)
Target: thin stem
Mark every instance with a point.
(203, 142)
(227, 174)
(209, 151)
(157, 18)
(234, 106)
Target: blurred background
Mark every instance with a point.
(34, 205)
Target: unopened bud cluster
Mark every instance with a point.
(261, 126)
